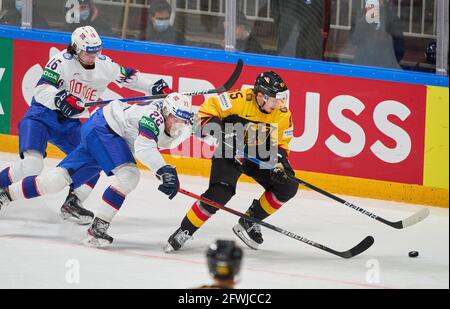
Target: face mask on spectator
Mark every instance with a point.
(19, 5)
(161, 25)
(372, 3)
(84, 14)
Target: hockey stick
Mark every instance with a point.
(365, 244)
(411, 220)
(225, 87)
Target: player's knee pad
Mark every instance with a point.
(286, 191)
(53, 181)
(220, 193)
(126, 178)
(32, 163)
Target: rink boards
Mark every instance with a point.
(358, 131)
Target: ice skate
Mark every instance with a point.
(97, 236)
(177, 240)
(5, 199)
(249, 232)
(73, 211)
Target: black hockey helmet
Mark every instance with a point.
(224, 259)
(269, 83)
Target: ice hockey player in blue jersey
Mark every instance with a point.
(76, 75)
(110, 141)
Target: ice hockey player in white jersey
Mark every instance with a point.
(76, 75)
(110, 141)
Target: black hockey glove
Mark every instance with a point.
(283, 170)
(161, 87)
(68, 104)
(170, 183)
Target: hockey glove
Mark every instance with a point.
(161, 87)
(283, 170)
(170, 183)
(68, 104)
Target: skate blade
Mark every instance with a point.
(91, 241)
(242, 235)
(169, 249)
(82, 220)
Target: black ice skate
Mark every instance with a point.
(73, 211)
(5, 199)
(177, 240)
(249, 232)
(96, 235)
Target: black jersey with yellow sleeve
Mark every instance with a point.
(241, 107)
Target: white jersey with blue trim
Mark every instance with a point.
(142, 126)
(64, 72)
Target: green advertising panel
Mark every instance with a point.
(6, 57)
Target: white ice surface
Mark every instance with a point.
(38, 250)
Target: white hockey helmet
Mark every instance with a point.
(86, 39)
(179, 105)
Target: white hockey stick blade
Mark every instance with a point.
(416, 218)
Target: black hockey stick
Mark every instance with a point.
(365, 244)
(411, 220)
(225, 87)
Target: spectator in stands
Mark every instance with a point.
(12, 14)
(303, 27)
(430, 53)
(159, 28)
(428, 62)
(378, 36)
(224, 259)
(245, 40)
(88, 15)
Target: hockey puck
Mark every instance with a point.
(413, 254)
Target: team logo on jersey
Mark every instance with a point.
(150, 124)
(51, 76)
(67, 56)
(257, 133)
(126, 74)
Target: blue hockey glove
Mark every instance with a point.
(161, 87)
(170, 183)
(68, 104)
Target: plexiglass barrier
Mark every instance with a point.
(397, 34)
